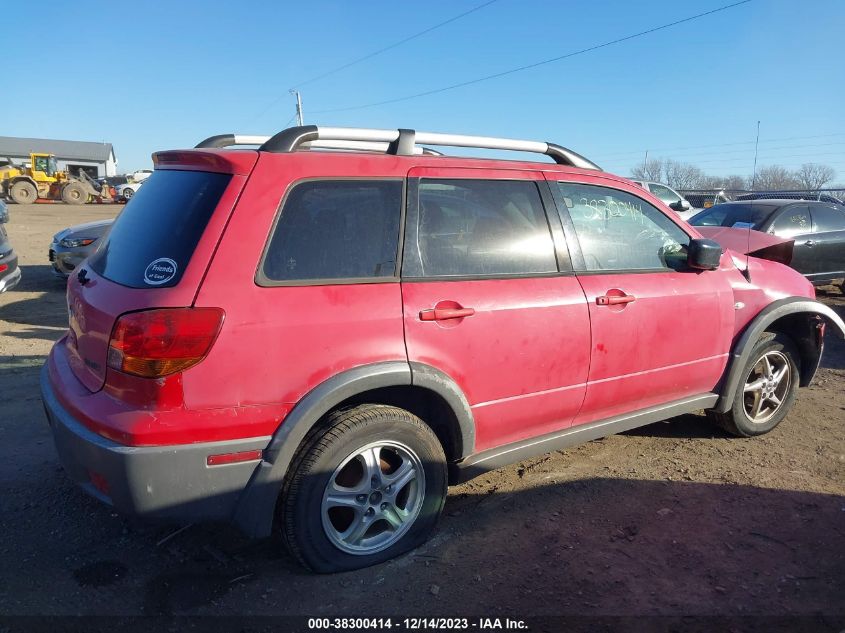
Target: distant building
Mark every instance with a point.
(95, 158)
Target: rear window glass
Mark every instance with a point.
(153, 239)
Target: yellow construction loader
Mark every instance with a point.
(42, 180)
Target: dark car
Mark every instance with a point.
(10, 274)
(817, 229)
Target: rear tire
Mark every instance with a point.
(74, 193)
(767, 390)
(127, 194)
(365, 490)
(23, 192)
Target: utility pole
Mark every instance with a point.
(645, 160)
(298, 105)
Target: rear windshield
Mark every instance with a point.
(744, 215)
(152, 240)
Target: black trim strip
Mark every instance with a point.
(494, 458)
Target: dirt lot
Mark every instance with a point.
(672, 519)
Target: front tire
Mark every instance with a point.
(365, 490)
(127, 194)
(73, 193)
(768, 388)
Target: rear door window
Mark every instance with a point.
(481, 228)
(335, 230)
(153, 239)
(827, 218)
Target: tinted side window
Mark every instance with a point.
(619, 231)
(827, 218)
(791, 221)
(343, 229)
(481, 228)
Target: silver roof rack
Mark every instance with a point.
(233, 140)
(401, 142)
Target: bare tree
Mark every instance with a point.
(734, 181)
(682, 175)
(649, 170)
(813, 176)
(773, 178)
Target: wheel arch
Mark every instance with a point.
(20, 178)
(423, 390)
(798, 318)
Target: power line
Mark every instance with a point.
(374, 54)
(394, 45)
(536, 64)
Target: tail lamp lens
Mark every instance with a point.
(156, 343)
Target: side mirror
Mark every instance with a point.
(704, 254)
(4, 212)
(680, 205)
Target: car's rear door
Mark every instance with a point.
(828, 241)
(488, 300)
(660, 332)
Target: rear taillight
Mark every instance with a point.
(156, 343)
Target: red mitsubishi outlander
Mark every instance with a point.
(317, 336)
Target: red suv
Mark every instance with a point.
(317, 337)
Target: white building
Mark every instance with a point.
(95, 158)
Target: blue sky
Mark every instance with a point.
(155, 75)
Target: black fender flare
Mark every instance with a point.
(771, 313)
(256, 505)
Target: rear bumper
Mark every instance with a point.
(166, 482)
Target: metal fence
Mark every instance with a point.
(700, 198)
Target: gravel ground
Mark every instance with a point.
(672, 519)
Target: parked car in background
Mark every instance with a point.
(125, 192)
(816, 228)
(72, 245)
(670, 197)
(10, 273)
(140, 175)
(316, 343)
(704, 199)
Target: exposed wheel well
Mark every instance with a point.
(803, 329)
(427, 405)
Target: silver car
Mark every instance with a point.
(71, 245)
(10, 273)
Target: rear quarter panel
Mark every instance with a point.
(278, 343)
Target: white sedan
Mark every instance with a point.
(125, 192)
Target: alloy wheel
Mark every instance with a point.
(373, 498)
(766, 386)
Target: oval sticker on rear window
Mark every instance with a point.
(160, 271)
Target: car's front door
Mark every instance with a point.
(491, 302)
(660, 331)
